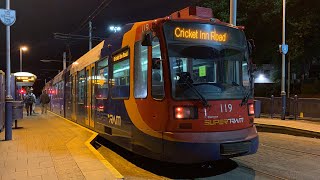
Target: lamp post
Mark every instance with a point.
(8, 18)
(284, 50)
(23, 48)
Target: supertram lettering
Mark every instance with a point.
(236, 120)
(215, 122)
(115, 120)
(223, 121)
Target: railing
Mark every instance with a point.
(308, 108)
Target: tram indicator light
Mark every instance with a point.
(186, 112)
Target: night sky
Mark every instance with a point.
(37, 20)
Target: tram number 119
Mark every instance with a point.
(225, 107)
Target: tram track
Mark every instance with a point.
(262, 165)
(277, 147)
(265, 173)
(133, 166)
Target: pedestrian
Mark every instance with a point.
(28, 101)
(44, 101)
(33, 104)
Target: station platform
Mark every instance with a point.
(301, 127)
(50, 147)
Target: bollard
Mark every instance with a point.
(301, 114)
(295, 107)
(8, 122)
(272, 106)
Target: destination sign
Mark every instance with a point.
(121, 55)
(198, 34)
(213, 34)
(25, 79)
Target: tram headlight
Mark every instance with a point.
(250, 109)
(186, 112)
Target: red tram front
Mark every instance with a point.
(203, 67)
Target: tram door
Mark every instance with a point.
(74, 97)
(90, 104)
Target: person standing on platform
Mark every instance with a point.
(44, 101)
(28, 101)
(34, 104)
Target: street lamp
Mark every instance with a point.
(23, 48)
(115, 28)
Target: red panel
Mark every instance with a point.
(192, 13)
(222, 115)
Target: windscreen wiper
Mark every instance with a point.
(195, 90)
(246, 97)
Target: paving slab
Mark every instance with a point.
(50, 147)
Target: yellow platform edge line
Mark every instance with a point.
(105, 162)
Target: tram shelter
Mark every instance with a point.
(23, 80)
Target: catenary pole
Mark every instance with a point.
(233, 12)
(90, 35)
(64, 60)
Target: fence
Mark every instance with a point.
(303, 107)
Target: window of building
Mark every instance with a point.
(140, 71)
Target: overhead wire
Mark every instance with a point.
(94, 14)
(73, 37)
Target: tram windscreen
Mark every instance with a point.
(210, 59)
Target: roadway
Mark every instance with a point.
(279, 157)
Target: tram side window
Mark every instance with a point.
(55, 91)
(59, 90)
(61, 84)
(157, 89)
(245, 74)
(102, 80)
(140, 71)
(81, 87)
(121, 80)
(69, 85)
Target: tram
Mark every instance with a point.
(176, 89)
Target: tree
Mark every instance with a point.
(263, 22)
